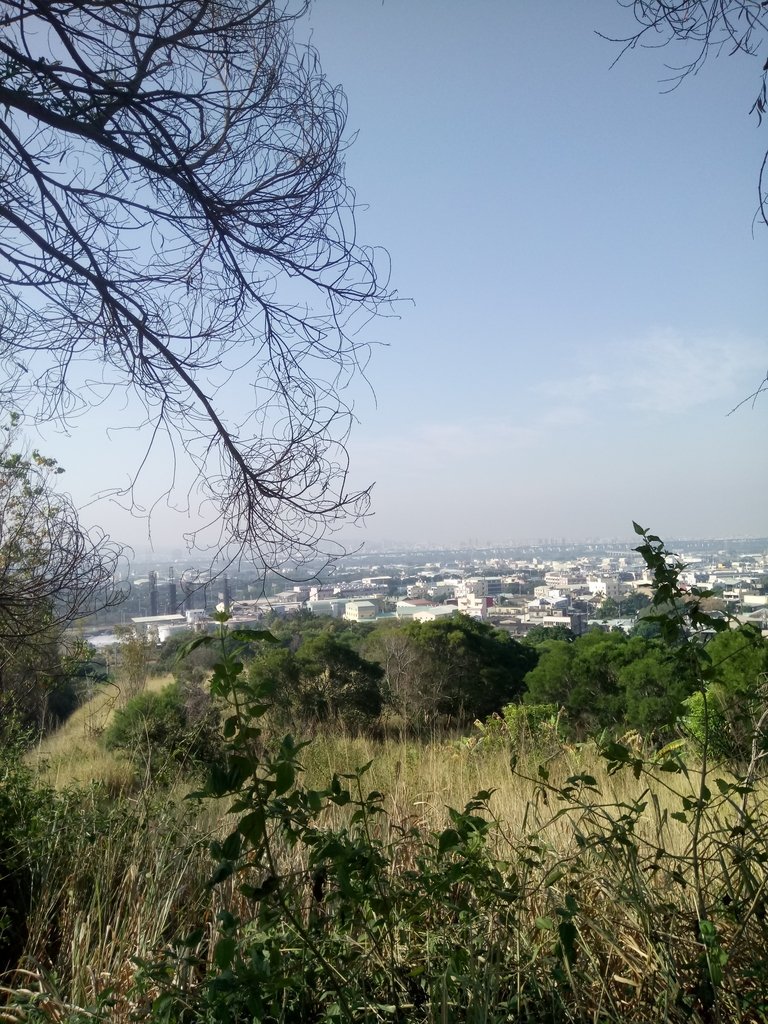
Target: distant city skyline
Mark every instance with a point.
(587, 285)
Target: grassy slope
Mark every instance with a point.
(75, 755)
(121, 890)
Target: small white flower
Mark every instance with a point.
(221, 607)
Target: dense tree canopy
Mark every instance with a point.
(610, 681)
(324, 681)
(467, 667)
(737, 692)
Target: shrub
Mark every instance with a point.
(25, 813)
(175, 729)
(527, 728)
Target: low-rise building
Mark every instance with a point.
(407, 609)
(437, 611)
(334, 607)
(359, 611)
(476, 607)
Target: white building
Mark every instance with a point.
(407, 609)
(438, 611)
(608, 586)
(476, 607)
(359, 611)
(474, 587)
(334, 608)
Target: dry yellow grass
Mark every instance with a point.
(422, 780)
(74, 755)
(636, 929)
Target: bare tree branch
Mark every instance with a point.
(52, 570)
(174, 211)
(709, 28)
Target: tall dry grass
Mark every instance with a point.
(75, 755)
(118, 878)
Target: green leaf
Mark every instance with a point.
(567, 933)
(231, 847)
(285, 776)
(259, 892)
(191, 940)
(199, 641)
(224, 951)
(253, 635)
(252, 826)
(221, 872)
(449, 838)
(554, 876)
(616, 753)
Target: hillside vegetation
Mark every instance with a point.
(501, 870)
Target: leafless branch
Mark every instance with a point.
(173, 203)
(52, 570)
(708, 28)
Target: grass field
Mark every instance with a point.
(567, 894)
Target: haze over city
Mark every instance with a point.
(582, 281)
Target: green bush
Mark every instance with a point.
(529, 728)
(177, 728)
(26, 810)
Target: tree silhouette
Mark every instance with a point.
(52, 571)
(174, 214)
(709, 28)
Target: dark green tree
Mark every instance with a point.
(166, 732)
(325, 682)
(656, 686)
(737, 694)
(469, 668)
(625, 607)
(542, 634)
(337, 684)
(583, 678)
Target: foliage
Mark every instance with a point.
(330, 941)
(656, 688)
(325, 682)
(529, 729)
(736, 696)
(22, 819)
(328, 901)
(194, 668)
(166, 732)
(51, 572)
(611, 681)
(135, 652)
(468, 669)
(541, 634)
(334, 939)
(626, 891)
(627, 607)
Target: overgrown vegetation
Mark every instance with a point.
(406, 879)
(51, 572)
(165, 732)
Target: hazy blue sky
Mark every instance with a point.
(588, 292)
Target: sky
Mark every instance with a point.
(581, 273)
